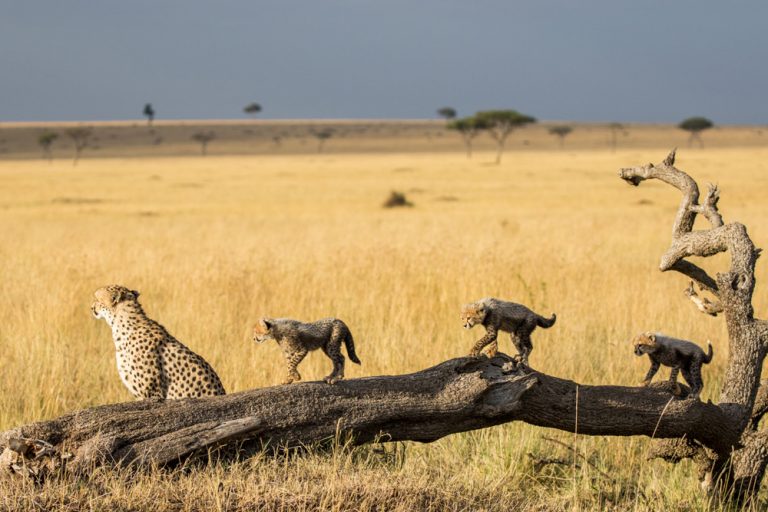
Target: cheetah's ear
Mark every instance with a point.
(124, 294)
(652, 337)
(266, 324)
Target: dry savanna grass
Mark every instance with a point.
(214, 243)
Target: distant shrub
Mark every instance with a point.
(397, 199)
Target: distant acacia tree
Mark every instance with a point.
(204, 138)
(81, 137)
(322, 136)
(469, 128)
(447, 113)
(500, 123)
(696, 125)
(561, 132)
(46, 140)
(149, 113)
(252, 109)
(616, 129)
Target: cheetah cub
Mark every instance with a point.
(296, 339)
(151, 362)
(498, 315)
(682, 356)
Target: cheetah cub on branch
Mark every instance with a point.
(498, 315)
(682, 356)
(151, 362)
(296, 339)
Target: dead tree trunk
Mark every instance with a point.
(455, 396)
(742, 400)
(463, 394)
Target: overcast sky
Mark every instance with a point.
(582, 60)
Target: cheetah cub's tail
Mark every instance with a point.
(708, 357)
(350, 344)
(546, 322)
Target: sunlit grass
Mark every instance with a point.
(215, 243)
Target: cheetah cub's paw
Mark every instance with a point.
(332, 379)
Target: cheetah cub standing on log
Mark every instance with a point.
(682, 356)
(498, 315)
(298, 338)
(151, 362)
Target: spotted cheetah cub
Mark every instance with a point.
(296, 339)
(151, 362)
(682, 356)
(498, 315)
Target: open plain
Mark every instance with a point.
(213, 243)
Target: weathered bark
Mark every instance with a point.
(455, 396)
(740, 473)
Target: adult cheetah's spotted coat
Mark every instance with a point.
(151, 362)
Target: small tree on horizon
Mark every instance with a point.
(561, 132)
(500, 123)
(469, 128)
(616, 128)
(696, 125)
(322, 136)
(252, 109)
(149, 113)
(204, 138)
(447, 113)
(81, 137)
(46, 140)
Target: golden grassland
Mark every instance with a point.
(214, 243)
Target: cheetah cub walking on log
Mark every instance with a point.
(498, 315)
(296, 339)
(151, 362)
(683, 356)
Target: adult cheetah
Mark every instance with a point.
(151, 362)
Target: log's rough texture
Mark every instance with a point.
(455, 396)
(466, 393)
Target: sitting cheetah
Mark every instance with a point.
(151, 362)
(499, 315)
(298, 338)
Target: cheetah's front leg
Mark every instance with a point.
(676, 389)
(293, 359)
(490, 337)
(651, 372)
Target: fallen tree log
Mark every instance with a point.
(455, 396)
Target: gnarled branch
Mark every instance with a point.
(702, 303)
(747, 336)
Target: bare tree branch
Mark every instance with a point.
(696, 273)
(709, 208)
(702, 303)
(748, 337)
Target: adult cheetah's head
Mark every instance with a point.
(108, 298)
(644, 343)
(261, 330)
(472, 314)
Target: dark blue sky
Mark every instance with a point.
(588, 60)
